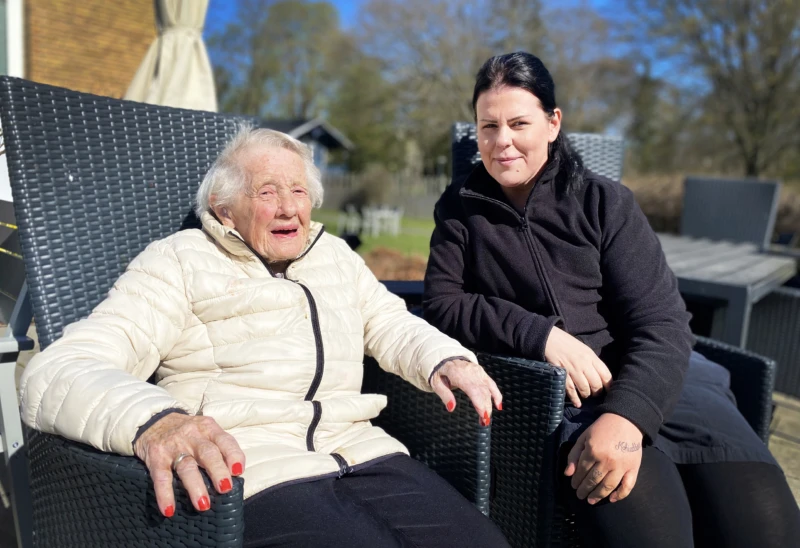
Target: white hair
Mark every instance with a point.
(227, 178)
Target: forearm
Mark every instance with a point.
(90, 385)
(87, 402)
(649, 319)
(401, 342)
(408, 346)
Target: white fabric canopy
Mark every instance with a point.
(176, 71)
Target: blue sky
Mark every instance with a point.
(221, 11)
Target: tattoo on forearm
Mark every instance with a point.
(626, 447)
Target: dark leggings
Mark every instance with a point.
(396, 503)
(727, 504)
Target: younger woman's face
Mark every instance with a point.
(513, 137)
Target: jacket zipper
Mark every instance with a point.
(320, 366)
(344, 468)
(313, 425)
(525, 228)
(312, 390)
(549, 288)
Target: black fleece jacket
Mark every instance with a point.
(498, 279)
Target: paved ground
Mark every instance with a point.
(784, 443)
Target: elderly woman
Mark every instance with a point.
(256, 327)
(534, 256)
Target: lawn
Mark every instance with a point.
(414, 237)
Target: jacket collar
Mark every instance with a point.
(480, 184)
(232, 242)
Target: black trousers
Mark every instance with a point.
(725, 505)
(398, 502)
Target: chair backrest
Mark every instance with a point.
(737, 210)
(603, 154)
(94, 180)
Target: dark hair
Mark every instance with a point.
(526, 71)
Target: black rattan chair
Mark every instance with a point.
(95, 180)
(775, 332)
(736, 210)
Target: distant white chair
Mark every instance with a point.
(370, 221)
(349, 221)
(392, 218)
(373, 221)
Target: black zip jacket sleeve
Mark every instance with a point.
(648, 315)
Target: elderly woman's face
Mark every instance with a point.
(513, 136)
(274, 214)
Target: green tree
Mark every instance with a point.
(243, 61)
(304, 37)
(364, 107)
(274, 58)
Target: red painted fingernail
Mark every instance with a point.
(500, 406)
(203, 504)
(451, 405)
(486, 417)
(225, 486)
(169, 511)
(237, 468)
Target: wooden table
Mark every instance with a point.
(735, 275)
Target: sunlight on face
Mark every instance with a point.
(274, 214)
(513, 136)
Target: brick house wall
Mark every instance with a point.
(93, 46)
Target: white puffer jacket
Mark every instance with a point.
(278, 363)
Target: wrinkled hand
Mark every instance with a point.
(606, 459)
(587, 375)
(471, 379)
(208, 447)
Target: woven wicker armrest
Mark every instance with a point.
(523, 503)
(452, 444)
(752, 381)
(85, 497)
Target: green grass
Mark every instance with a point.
(414, 237)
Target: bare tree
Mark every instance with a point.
(434, 48)
(747, 56)
(593, 81)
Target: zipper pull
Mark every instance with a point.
(523, 226)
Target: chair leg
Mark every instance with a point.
(11, 425)
(13, 452)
